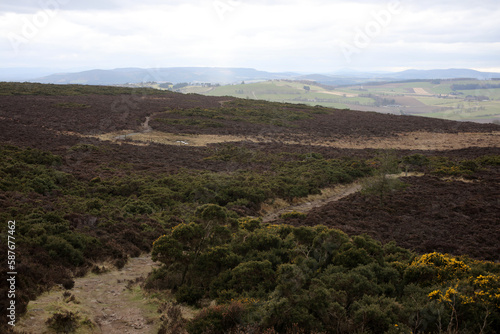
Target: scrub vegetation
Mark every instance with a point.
(414, 253)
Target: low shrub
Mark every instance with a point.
(189, 295)
(293, 215)
(217, 319)
(64, 322)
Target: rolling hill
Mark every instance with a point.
(173, 75)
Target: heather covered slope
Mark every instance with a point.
(86, 181)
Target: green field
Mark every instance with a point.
(431, 98)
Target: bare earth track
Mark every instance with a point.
(306, 205)
(105, 299)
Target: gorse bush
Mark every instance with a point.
(319, 280)
(293, 215)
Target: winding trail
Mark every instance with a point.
(336, 194)
(333, 194)
(146, 128)
(111, 302)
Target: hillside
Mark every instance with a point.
(207, 186)
(457, 99)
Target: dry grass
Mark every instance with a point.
(51, 303)
(458, 179)
(170, 138)
(418, 141)
(404, 141)
(273, 205)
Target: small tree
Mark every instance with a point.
(384, 181)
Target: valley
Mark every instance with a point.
(430, 98)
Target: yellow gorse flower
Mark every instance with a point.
(447, 267)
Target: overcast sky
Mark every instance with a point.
(272, 35)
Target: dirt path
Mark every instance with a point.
(333, 194)
(108, 303)
(328, 195)
(146, 127)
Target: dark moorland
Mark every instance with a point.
(409, 254)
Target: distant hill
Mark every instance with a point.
(173, 75)
(223, 76)
(332, 80)
(344, 77)
(444, 74)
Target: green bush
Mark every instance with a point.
(61, 249)
(375, 314)
(293, 215)
(252, 279)
(38, 157)
(41, 185)
(189, 295)
(211, 212)
(249, 224)
(138, 207)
